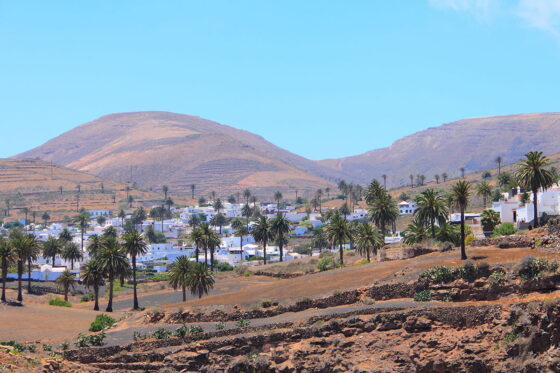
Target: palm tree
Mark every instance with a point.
(178, 274)
(383, 211)
(134, 245)
(51, 248)
(72, 253)
(278, 197)
(384, 176)
(65, 236)
(416, 232)
(344, 210)
(165, 190)
(205, 232)
(46, 217)
(262, 232)
(437, 178)
(218, 205)
(319, 194)
(246, 195)
(368, 239)
(280, 227)
(241, 232)
(373, 191)
(461, 192)
(411, 177)
(113, 262)
(328, 191)
(94, 243)
(218, 220)
(82, 221)
(532, 175)
(484, 190)
(24, 246)
(444, 176)
(122, 215)
(197, 239)
(199, 280)
(499, 162)
(66, 280)
(246, 211)
(210, 240)
(431, 208)
(462, 169)
(7, 257)
(338, 232)
(192, 190)
(110, 232)
(92, 276)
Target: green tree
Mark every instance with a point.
(122, 215)
(109, 232)
(165, 190)
(46, 217)
(489, 219)
(66, 280)
(431, 208)
(25, 247)
(278, 198)
(134, 245)
(71, 252)
(94, 243)
(178, 274)
(461, 192)
(416, 232)
(484, 190)
(338, 232)
(383, 211)
(444, 176)
(280, 227)
(199, 280)
(65, 236)
(51, 248)
(247, 212)
(262, 232)
(113, 262)
(241, 232)
(92, 277)
(211, 240)
(198, 240)
(7, 257)
(218, 220)
(499, 161)
(83, 221)
(533, 175)
(373, 191)
(368, 239)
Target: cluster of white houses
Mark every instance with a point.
(232, 250)
(513, 209)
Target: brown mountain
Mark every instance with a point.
(158, 148)
(470, 143)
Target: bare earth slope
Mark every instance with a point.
(471, 143)
(156, 148)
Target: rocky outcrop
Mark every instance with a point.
(506, 242)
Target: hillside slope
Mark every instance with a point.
(157, 148)
(471, 143)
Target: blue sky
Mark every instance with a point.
(320, 78)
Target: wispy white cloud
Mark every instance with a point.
(540, 14)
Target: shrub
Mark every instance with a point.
(137, 336)
(195, 329)
(361, 262)
(530, 268)
(101, 322)
(47, 347)
(469, 240)
(223, 267)
(423, 296)
(240, 270)
(468, 271)
(32, 348)
(220, 326)
(88, 297)
(162, 333)
(497, 279)
(504, 229)
(181, 332)
(59, 302)
(438, 275)
(17, 347)
(97, 339)
(326, 263)
(242, 323)
(446, 246)
(64, 345)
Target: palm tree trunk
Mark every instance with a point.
(535, 208)
(212, 259)
(4, 275)
(241, 252)
(433, 224)
(281, 245)
(367, 255)
(65, 293)
(264, 251)
(96, 294)
(184, 293)
(341, 254)
(196, 252)
(110, 304)
(463, 252)
(136, 307)
(29, 276)
(20, 273)
(206, 256)
(53, 258)
(82, 234)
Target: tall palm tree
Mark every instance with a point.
(82, 220)
(246, 211)
(368, 239)
(319, 194)
(411, 177)
(71, 252)
(134, 245)
(25, 246)
(94, 243)
(211, 240)
(328, 191)
(444, 176)
(373, 191)
(246, 195)
(384, 176)
(280, 227)
(437, 178)
(241, 232)
(532, 175)
(113, 262)
(178, 274)
(462, 169)
(338, 232)
(46, 217)
(92, 276)
(110, 232)
(7, 257)
(383, 211)
(262, 232)
(499, 162)
(461, 192)
(484, 190)
(205, 232)
(199, 280)
(66, 280)
(65, 236)
(51, 248)
(278, 197)
(165, 190)
(218, 205)
(431, 208)
(122, 215)
(193, 186)
(198, 240)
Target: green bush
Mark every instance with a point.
(471, 271)
(17, 347)
(220, 326)
(64, 345)
(497, 279)
(326, 263)
(164, 276)
(423, 296)
(438, 275)
(223, 267)
(504, 229)
(242, 323)
(59, 302)
(90, 340)
(101, 322)
(47, 347)
(87, 297)
(530, 268)
(162, 333)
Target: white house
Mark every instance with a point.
(97, 213)
(512, 210)
(407, 208)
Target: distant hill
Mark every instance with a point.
(161, 148)
(471, 143)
